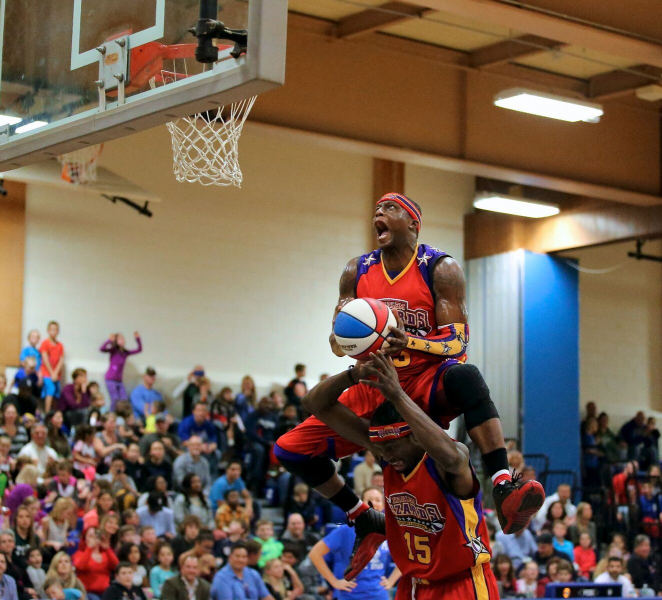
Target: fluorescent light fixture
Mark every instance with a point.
(7, 120)
(515, 206)
(549, 105)
(30, 126)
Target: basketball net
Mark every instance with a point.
(205, 146)
(80, 166)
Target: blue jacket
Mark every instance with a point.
(206, 430)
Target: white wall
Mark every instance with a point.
(242, 281)
(621, 331)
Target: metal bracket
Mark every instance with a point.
(143, 210)
(4, 134)
(113, 69)
(639, 255)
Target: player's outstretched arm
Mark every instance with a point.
(451, 456)
(347, 294)
(322, 401)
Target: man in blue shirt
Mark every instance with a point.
(144, 396)
(518, 546)
(231, 481)
(156, 514)
(235, 581)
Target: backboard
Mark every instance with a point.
(81, 72)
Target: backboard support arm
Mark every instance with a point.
(208, 28)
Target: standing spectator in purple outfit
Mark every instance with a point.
(118, 355)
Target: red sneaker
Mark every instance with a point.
(517, 502)
(370, 535)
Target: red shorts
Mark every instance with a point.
(479, 583)
(314, 438)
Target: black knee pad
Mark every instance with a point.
(467, 391)
(314, 472)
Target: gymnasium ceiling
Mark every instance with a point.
(598, 49)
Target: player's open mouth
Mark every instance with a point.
(398, 465)
(382, 230)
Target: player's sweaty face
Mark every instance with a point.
(402, 454)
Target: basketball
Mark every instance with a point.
(362, 326)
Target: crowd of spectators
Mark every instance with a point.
(111, 496)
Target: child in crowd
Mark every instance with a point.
(31, 350)
(564, 572)
(133, 463)
(28, 373)
(560, 543)
(236, 531)
(84, 454)
(131, 554)
(52, 356)
(527, 584)
(301, 503)
(36, 574)
(585, 555)
(130, 517)
(271, 547)
(115, 346)
(128, 534)
(6, 461)
(53, 590)
(63, 484)
(164, 569)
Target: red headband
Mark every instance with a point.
(383, 433)
(406, 203)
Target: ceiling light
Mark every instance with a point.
(7, 120)
(548, 105)
(30, 126)
(515, 206)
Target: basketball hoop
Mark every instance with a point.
(80, 166)
(205, 146)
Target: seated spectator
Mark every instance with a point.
(528, 473)
(11, 427)
(187, 534)
(158, 483)
(527, 584)
(271, 547)
(592, 453)
(192, 461)
(563, 493)
(189, 585)
(545, 552)
(364, 471)
(505, 576)
(144, 396)
(650, 444)
(643, 568)
(37, 450)
(301, 503)
(281, 580)
(246, 399)
(163, 570)
(297, 535)
(655, 478)
(7, 546)
(123, 586)
(261, 433)
(583, 523)
(625, 486)
(83, 452)
(157, 464)
(36, 575)
(7, 463)
(157, 515)
(61, 571)
(55, 436)
(236, 532)
(8, 589)
(204, 545)
(224, 411)
(231, 480)
(614, 575)
(564, 572)
(230, 510)
(199, 425)
(134, 463)
(107, 442)
(27, 375)
(54, 591)
(615, 450)
(24, 400)
(109, 529)
(519, 547)
(288, 420)
(130, 554)
(560, 543)
(123, 487)
(171, 442)
(555, 513)
(515, 460)
(75, 400)
(56, 526)
(192, 501)
(94, 563)
(585, 555)
(235, 581)
(147, 545)
(105, 504)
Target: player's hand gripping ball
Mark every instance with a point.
(362, 327)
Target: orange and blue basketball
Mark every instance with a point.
(362, 327)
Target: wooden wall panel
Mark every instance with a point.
(12, 261)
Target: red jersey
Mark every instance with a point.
(431, 533)
(410, 293)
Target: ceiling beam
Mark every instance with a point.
(563, 30)
(378, 17)
(441, 56)
(510, 50)
(486, 234)
(622, 83)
